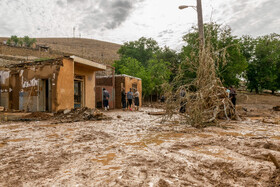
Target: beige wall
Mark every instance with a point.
(89, 87)
(129, 81)
(65, 86)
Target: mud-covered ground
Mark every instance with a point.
(137, 149)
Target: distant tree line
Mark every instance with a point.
(25, 41)
(253, 61)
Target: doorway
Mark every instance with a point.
(78, 92)
(44, 98)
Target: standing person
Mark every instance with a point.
(123, 99)
(232, 96)
(228, 91)
(136, 99)
(182, 103)
(129, 98)
(106, 97)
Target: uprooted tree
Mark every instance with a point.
(203, 96)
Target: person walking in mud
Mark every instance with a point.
(123, 99)
(136, 99)
(106, 97)
(129, 96)
(232, 96)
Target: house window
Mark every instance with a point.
(134, 86)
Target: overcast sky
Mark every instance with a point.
(119, 21)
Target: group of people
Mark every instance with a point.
(128, 99)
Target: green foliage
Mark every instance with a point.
(20, 42)
(131, 66)
(42, 59)
(9, 41)
(15, 40)
(264, 66)
(230, 62)
(145, 59)
(26, 41)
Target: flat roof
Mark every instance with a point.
(122, 75)
(90, 63)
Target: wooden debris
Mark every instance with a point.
(157, 113)
(276, 108)
(273, 159)
(2, 108)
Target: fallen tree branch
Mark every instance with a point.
(274, 160)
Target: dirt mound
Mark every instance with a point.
(79, 114)
(38, 116)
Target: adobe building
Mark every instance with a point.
(49, 85)
(114, 85)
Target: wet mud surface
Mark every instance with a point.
(137, 149)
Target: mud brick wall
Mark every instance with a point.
(104, 81)
(25, 52)
(118, 88)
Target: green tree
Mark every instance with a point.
(264, 69)
(142, 50)
(20, 42)
(133, 67)
(145, 59)
(28, 42)
(159, 72)
(230, 62)
(15, 39)
(9, 41)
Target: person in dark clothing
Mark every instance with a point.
(182, 103)
(129, 98)
(232, 96)
(123, 99)
(136, 99)
(106, 96)
(162, 99)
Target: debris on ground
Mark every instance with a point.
(157, 113)
(36, 116)
(2, 108)
(79, 114)
(276, 108)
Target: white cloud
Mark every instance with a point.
(124, 20)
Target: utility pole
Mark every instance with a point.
(200, 23)
(74, 32)
(198, 9)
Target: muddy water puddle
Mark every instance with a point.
(212, 151)
(2, 144)
(11, 127)
(18, 140)
(51, 136)
(105, 159)
(155, 139)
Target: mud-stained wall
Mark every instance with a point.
(19, 86)
(120, 81)
(65, 86)
(129, 82)
(4, 88)
(89, 84)
(29, 80)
